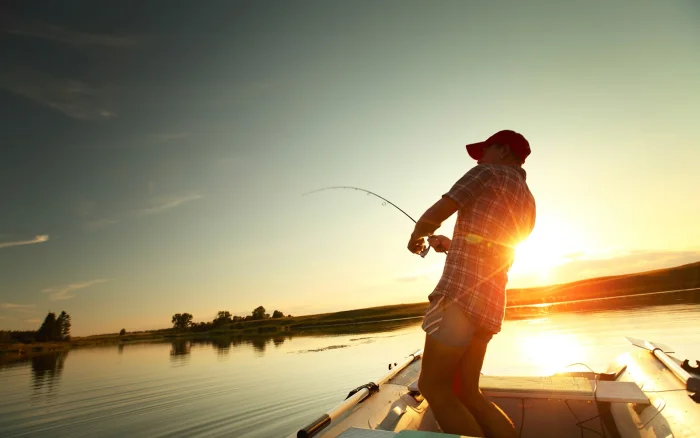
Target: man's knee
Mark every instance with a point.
(472, 398)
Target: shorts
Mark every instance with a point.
(447, 323)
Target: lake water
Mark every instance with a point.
(269, 387)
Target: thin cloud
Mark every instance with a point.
(51, 32)
(98, 224)
(38, 239)
(431, 273)
(34, 321)
(72, 97)
(66, 292)
(162, 203)
(19, 307)
(409, 278)
(26, 309)
(157, 205)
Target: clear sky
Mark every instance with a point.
(154, 155)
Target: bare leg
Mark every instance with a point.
(439, 364)
(491, 418)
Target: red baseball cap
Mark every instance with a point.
(517, 143)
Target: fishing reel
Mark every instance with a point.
(427, 249)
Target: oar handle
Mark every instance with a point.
(691, 383)
(324, 420)
(313, 428)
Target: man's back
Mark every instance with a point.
(496, 212)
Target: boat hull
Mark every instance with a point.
(671, 413)
(398, 406)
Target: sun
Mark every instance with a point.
(551, 244)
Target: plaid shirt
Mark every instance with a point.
(496, 212)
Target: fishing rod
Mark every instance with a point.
(422, 253)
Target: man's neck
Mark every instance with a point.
(515, 166)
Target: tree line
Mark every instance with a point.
(53, 329)
(222, 319)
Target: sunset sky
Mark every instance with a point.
(154, 155)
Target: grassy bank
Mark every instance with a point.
(321, 323)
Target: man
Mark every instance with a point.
(495, 212)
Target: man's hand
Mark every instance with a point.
(429, 222)
(416, 244)
(440, 243)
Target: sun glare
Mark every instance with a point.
(551, 244)
(551, 352)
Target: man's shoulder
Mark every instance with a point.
(481, 170)
(508, 176)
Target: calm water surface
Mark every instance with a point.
(268, 387)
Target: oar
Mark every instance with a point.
(355, 397)
(662, 352)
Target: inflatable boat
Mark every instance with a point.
(646, 392)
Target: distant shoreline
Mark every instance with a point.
(645, 294)
(17, 352)
(653, 285)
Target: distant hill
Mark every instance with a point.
(680, 277)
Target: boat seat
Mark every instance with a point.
(557, 387)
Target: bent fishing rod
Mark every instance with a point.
(386, 201)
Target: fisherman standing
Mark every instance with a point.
(495, 212)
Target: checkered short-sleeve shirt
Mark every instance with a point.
(496, 211)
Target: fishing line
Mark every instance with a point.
(386, 201)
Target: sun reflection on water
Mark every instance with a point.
(550, 352)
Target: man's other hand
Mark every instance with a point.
(440, 243)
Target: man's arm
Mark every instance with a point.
(434, 217)
(461, 196)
